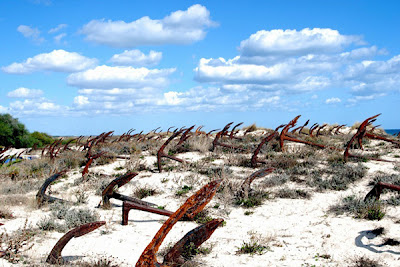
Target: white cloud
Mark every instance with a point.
(359, 98)
(30, 33)
(3, 109)
(180, 27)
(57, 60)
(293, 42)
(136, 58)
(333, 100)
(58, 37)
(58, 28)
(23, 92)
(41, 106)
(81, 100)
(105, 77)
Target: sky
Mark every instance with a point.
(84, 67)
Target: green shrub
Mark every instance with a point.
(371, 210)
(252, 247)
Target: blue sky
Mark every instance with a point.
(84, 67)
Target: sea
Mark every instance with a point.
(392, 131)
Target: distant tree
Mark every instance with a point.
(13, 133)
(42, 139)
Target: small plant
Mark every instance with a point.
(255, 199)
(49, 224)
(365, 262)
(183, 191)
(191, 250)
(12, 245)
(81, 196)
(292, 193)
(143, 192)
(252, 247)
(202, 217)
(77, 217)
(247, 212)
(164, 180)
(118, 168)
(371, 210)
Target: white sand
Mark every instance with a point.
(298, 232)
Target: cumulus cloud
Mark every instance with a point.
(136, 58)
(106, 77)
(293, 42)
(40, 106)
(57, 60)
(180, 27)
(296, 61)
(333, 100)
(23, 92)
(58, 28)
(30, 33)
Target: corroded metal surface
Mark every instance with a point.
(185, 135)
(192, 240)
(55, 254)
(109, 191)
(189, 215)
(41, 196)
(376, 191)
(245, 187)
(205, 194)
(254, 158)
(232, 135)
(90, 161)
(161, 154)
(128, 205)
(359, 135)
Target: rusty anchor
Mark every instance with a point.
(377, 190)
(192, 240)
(109, 191)
(41, 196)
(204, 195)
(55, 254)
(245, 187)
(161, 154)
(359, 135)
(128, 205)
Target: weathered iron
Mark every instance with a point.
(128, 205)
(198, 130)
(245, 187)
(89, 162)
(312, 129)
(210, 132)
(161, 154)
(300, 128)
(216, 143)
(232, 135)
(320, 129)
(41, 196)
(283, 136)
(192, 240)
(337, 132)
(189, 215)
(254, 159)
(204, 195)
(185, 135)
(376, 191)
(55, 254)
(109, 191)
(361, 132)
